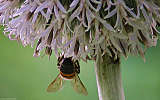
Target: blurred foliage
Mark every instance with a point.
(26, 78)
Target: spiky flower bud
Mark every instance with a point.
(79, 28)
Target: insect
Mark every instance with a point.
(69, 70)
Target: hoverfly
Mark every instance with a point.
(69, 70)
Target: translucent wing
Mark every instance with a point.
(56, 84)
(78, 85)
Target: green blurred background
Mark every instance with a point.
(24, 77)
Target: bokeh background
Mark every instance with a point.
(23, 77)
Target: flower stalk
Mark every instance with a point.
(108, 75)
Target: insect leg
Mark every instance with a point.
(77, 66)
(60, 59)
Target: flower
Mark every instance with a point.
(80, 28)
(7, 9)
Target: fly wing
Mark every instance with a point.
(78, 85)
(56, 84)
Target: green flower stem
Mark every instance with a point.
(108, 75)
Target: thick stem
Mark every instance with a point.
(108, 75)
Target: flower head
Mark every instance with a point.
(82, 28)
